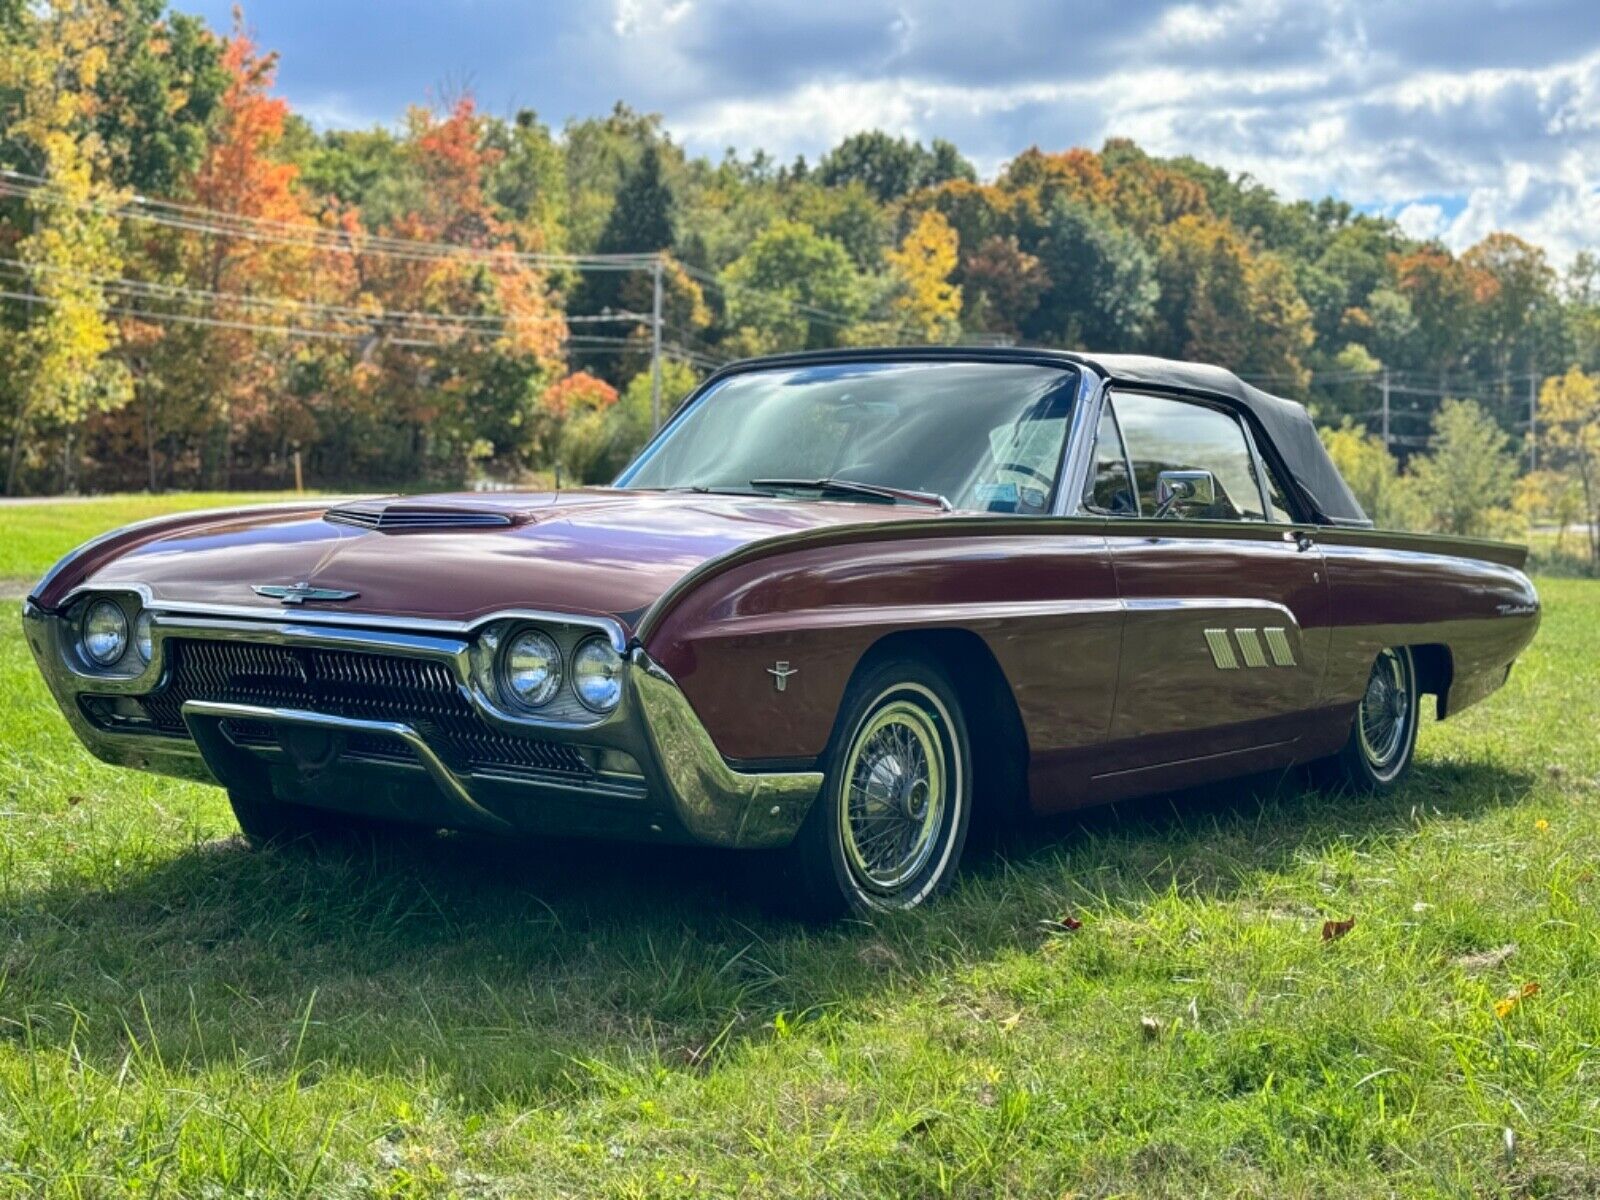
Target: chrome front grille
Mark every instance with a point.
(349, 683)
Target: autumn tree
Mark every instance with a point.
(60, 366)
(1569, 423)
(233, 375)
(1002, 285)
(1222, 302)
(926, 306)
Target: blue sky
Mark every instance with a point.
(1456, 116)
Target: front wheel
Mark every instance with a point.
(1383, 737)
(887, 831)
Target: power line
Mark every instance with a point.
(441, 321)
(213, 222)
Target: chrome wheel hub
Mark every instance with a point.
(1385, 716)
(895, 783)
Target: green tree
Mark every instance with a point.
(1102, 287)
(891, 167)
(1373, 475)
(1465, 483)
(793, 289)
(61, 368)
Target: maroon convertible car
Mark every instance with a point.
(840, 606)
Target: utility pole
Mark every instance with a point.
(655, 345)
(1386, 407)
(1533, 420)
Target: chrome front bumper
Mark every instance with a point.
(684, 790)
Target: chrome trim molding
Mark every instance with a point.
(684, 774)
(611, 627)
(197, 714)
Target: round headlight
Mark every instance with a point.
(105, 633)
(143, 640)
(597, 675)
(530, 670)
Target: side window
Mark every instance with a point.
(1277, 496)
(1176, 435)
(1110, 490)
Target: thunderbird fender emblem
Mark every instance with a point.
(299, 593)
(780, 673)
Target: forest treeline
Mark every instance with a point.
(196, 285)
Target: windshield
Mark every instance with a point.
(984, 436)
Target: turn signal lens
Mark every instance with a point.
(530, 669)
(597, 675)
(143, 640)
(105, 633)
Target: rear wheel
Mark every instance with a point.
(1383, 737)
(887, 831)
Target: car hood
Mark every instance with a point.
(600, 552)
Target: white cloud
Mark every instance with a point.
(1420, 220)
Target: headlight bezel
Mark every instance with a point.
(503, 670)
(612, 659)
(124, 638)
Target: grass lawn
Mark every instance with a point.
(33, 536)
(453, 1016)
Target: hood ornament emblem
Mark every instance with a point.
(299, 593)
(780, 673)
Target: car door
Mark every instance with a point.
(1225, 600)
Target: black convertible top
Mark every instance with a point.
(1285, 424)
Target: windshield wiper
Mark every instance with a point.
(850, 487)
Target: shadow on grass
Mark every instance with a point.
(529, 971)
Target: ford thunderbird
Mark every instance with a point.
(840, 607)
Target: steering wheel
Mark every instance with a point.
(1024, 469)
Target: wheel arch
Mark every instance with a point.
(999, 741)
(1435, 669)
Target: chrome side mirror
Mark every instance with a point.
(1177, 490)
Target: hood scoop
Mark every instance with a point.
(397, 516)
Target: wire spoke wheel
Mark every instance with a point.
(1384, 720)
(896, 790)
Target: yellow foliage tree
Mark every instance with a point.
(926, 304)
(1569, 431)
(62, 370)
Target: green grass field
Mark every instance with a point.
(33, 536)
(457, 1017)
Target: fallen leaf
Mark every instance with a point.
(1485, 960)
(1063, 924)
(1332, 931)
(1503, 1008)
(74, 801)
